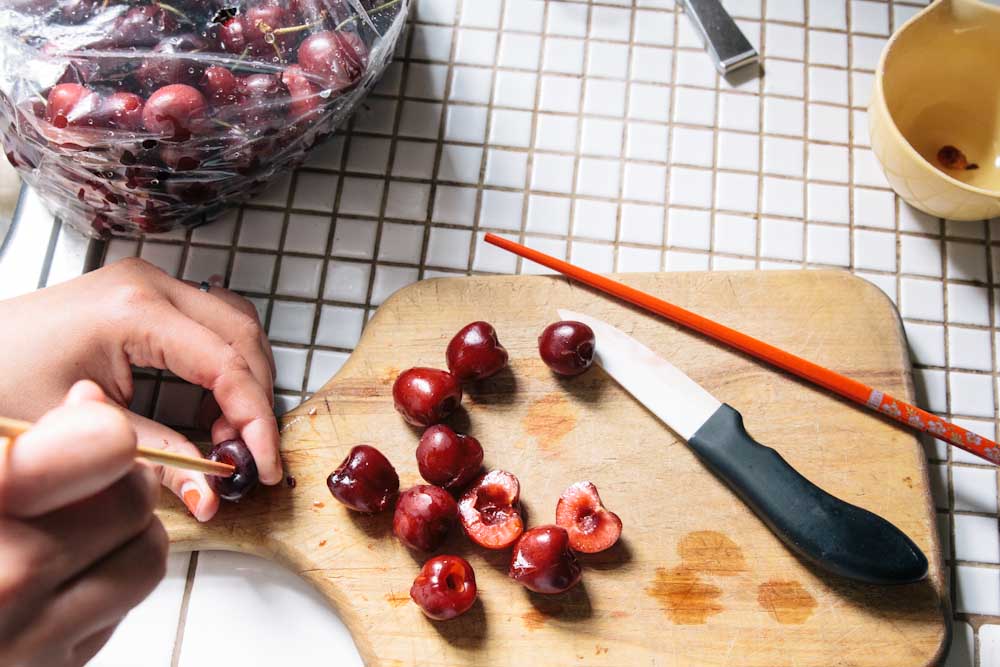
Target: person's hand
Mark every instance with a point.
(131, 313)
(79, 543)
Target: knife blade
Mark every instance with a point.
(834, 535)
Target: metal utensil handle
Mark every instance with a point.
(725, 41)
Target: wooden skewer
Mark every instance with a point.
(10, 429)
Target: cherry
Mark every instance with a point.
(181, 156)
(490, 510)
(425, 396)
(70, 104)
(122, 111)
(424, 515)
(175, 112)
(76, 11)
(567, 347)
(139, 27)
(338, 58)
(445, 587)
(220, 85)
(243, 480)
(543, 562)
(254, 33)
(167, 67)
(365, 481)
(448, 459)
(306, 101)
(590, 525)
(475, 353)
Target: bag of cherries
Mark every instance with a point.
(139, 117)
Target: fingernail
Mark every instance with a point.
(191, 497)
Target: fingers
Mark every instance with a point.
(234, 319)
(90, 646)
(103, 594)
(191, 487)
(64, 543)
(72, 452)
(198, 355)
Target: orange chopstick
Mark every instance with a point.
(858, 392)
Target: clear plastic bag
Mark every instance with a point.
(140, 117)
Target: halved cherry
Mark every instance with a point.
(590, 525)
(490, 510)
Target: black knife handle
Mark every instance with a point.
(838, 537)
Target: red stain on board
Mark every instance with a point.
(786, 601)
(549, 420)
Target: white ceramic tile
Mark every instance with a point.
(867, 170)
(642, 224)
(291, 365)
(150, 628)
(598, 177)
(970, 348)
(783, 116)
(931, 391)
(690, 187)
(865, 51)
(472, 84)
(861, 88)
(205, 263)
(989, 635)
(827, 85)
(644, 182)
(686, 261)
(694, 106)
(792, 11)
(736, 192)
(785, 41)
(689, 229)
(596, 219)
(783, 156)
(601, 136)
(527, 15)
(828, 203)
(454, 205)
(827, 48)
(870, 17)
(735, 234)
(737, 150)
(885, 283)
(520, 51)
(492, 259)
(475, 47)
(517, 90)
(605, 59)
(163, 255)
(261, 229)
(828, 123)
(651, 64)
(449, 248)
(511, 128)
(826, 14)
(828, 245)
(548, 215)
(962, 650)
(481, 14)
(292, 322)
(299, 276)
(460, 163)
(401, 243)
(420, 119)
(782, 77)
(465, 123)
(910, 219)
(559, 93)
(552, 173)
(610, 23)
(975, 489)
(968, 229)
(501, 209)
(743, 8)
(436, 11)
(874, 208)
(324, 365)
(926, 343)
(722, 263)
(605, 98)
(567, 19)
(597, 257)
(968, 304)
(408, 201)
(971, 394)
(426, 80)
(653, 27)
(976, 591)
(354, 238)
(252, 272)
(563, 56)
(828, 163)
(389, 279)
(638, 260)
(739, 112)
(782, 196)
(922, 299)
(648, 102)
(692, 147)
(556, 133)
(413, 159)
(346, 281)
(243, 590)
(920, 255)
(506, 168)
(781, 239)
(307, 233)
(361, 196)
(694, 68)
(967, 261)
(554, 247)
(647, 141)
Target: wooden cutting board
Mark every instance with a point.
(696, 578)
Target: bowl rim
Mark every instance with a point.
(879, 97)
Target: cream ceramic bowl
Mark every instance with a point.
(937, 86)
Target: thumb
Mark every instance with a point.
(72, 452)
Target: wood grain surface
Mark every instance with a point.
(696, 578)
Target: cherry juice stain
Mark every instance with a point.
(396, 601)
(786, 601)
(549, 420)
(709, 552)
(686, 599)
(534, 619)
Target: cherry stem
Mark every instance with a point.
(299, 28)
(375, 10)
(174, 10)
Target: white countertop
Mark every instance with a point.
(602, 134)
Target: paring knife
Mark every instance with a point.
(834, 535)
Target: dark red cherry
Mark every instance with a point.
(543, 562)
(445, 587)
(567, 347)
(424, 515)
(122, 111)
(219, 86)
(337, 58)
(306, 101)
(243, 480)
(142, 26)
(426, 396)
(165, 65)
(448, 459)
(70, 104)
(475, 352)
(259, 32)
(365, 481)
(175, 112)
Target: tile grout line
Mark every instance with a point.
(175, 655)
(578, 156)
(667, 193)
